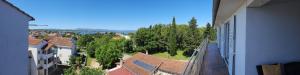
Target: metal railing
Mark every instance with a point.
(194, 66)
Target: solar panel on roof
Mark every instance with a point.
(144, 65)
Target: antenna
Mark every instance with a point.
(36, 25)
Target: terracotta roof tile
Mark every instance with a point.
(120, 71)
(166, 65)
(34, 41)
(61, 41)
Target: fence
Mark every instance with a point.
(194, 66)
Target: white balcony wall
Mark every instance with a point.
(240, 41)
(272, 34)
(46, 56)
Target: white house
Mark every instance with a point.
(13, 40)
(255, 32)
(63, 48)
(36, 60)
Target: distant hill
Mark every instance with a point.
(85, 30)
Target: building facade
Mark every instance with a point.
(41, 59)
(13, 42)
(63, 49)
(256, 32)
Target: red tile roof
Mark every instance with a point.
(165, 65)
(34, 41)
(120, 71)
(61, 41)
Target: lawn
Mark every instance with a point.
(179, 55)
(88, 61)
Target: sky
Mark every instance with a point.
(113, 14)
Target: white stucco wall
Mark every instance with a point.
(36, 56)
(222, 40)
(218, 36)
(240, 47)
(162, 73)
(272, 34)
(240, 40)
(33, 60)
(64, 55)
(13, 41)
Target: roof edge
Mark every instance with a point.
(18, 9)
(215, 9)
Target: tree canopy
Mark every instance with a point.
(108, 54)
(168, 37)
(172, 40)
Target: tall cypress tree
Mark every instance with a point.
(208, 29)
(192, 38)
(172, 38)
(193, 25)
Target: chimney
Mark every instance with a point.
(121, 62)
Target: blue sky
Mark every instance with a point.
(114, 14)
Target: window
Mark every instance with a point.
(226, 52)
(39, 61)
(45, 61)
(45, 71)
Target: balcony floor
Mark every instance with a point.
(213, 62)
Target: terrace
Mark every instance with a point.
(206, 60)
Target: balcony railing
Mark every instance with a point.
(194, 66)
(47, 52)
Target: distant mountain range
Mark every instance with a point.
(86, 30)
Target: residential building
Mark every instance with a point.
(44, 56)
(41, 58)
(123, 35)
(35, 52)
(143, 64)
(13, 42)
(63, 48)
(256, 32)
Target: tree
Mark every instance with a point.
(210, 31)
(99, 40)
(75, 64)
(207, 31)
(91, 71)
(141, 38)
(83, 71)
(127, 45)
(193, 25)
(172, 38)
(213, 34)
(83, 40)
(158, 39)
(182, 36)
(70, 71)
(108, 54)
(193, 37)
(168, 37)
(90, 50)
(72, 60)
